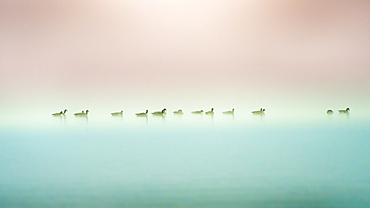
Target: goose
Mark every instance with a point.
(229, 112)
(58, 114)
(330, 111)
(77, 114)
(117, 113)
(210, 112)
(160, 113)
(178, 112)
(197, 112)
(142, 114)
(82, 113)
(260, 112)
(344, 111)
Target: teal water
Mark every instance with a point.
(186, 162)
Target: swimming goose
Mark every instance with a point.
(159, 113)
(229, 112)
(344, 111)
(330, 111)
(82, 113)
(142, 114)
(117, 113)
(58, 114)
(197, 112)
(210, 112)
(260, 112)
(178, 112)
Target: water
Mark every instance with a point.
(188, 161)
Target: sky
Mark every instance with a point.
(184, 54)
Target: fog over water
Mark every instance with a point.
(102, 118)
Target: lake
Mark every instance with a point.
(185, 161)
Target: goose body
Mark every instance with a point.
(142, 114)
(210, 112)
(344, 111)
(117, 113)
(83, 113)
(329, 111)
(259, 112)
(61, 113)
(229, 112)
(58, 114)
(159, 113)
(197, 112)
(178, 112)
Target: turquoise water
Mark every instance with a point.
(189, 161)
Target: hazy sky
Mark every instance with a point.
(184, 51)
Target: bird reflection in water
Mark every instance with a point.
(229, 113)
(143, 114)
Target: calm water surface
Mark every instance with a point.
(187, 161)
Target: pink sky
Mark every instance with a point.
(167, 48)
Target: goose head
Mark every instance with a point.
(164, 110)
(263, 110)
(347, 109)
(65, 110)
(146, 111)
(212, 109)
(201, 111)
(87, 111)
